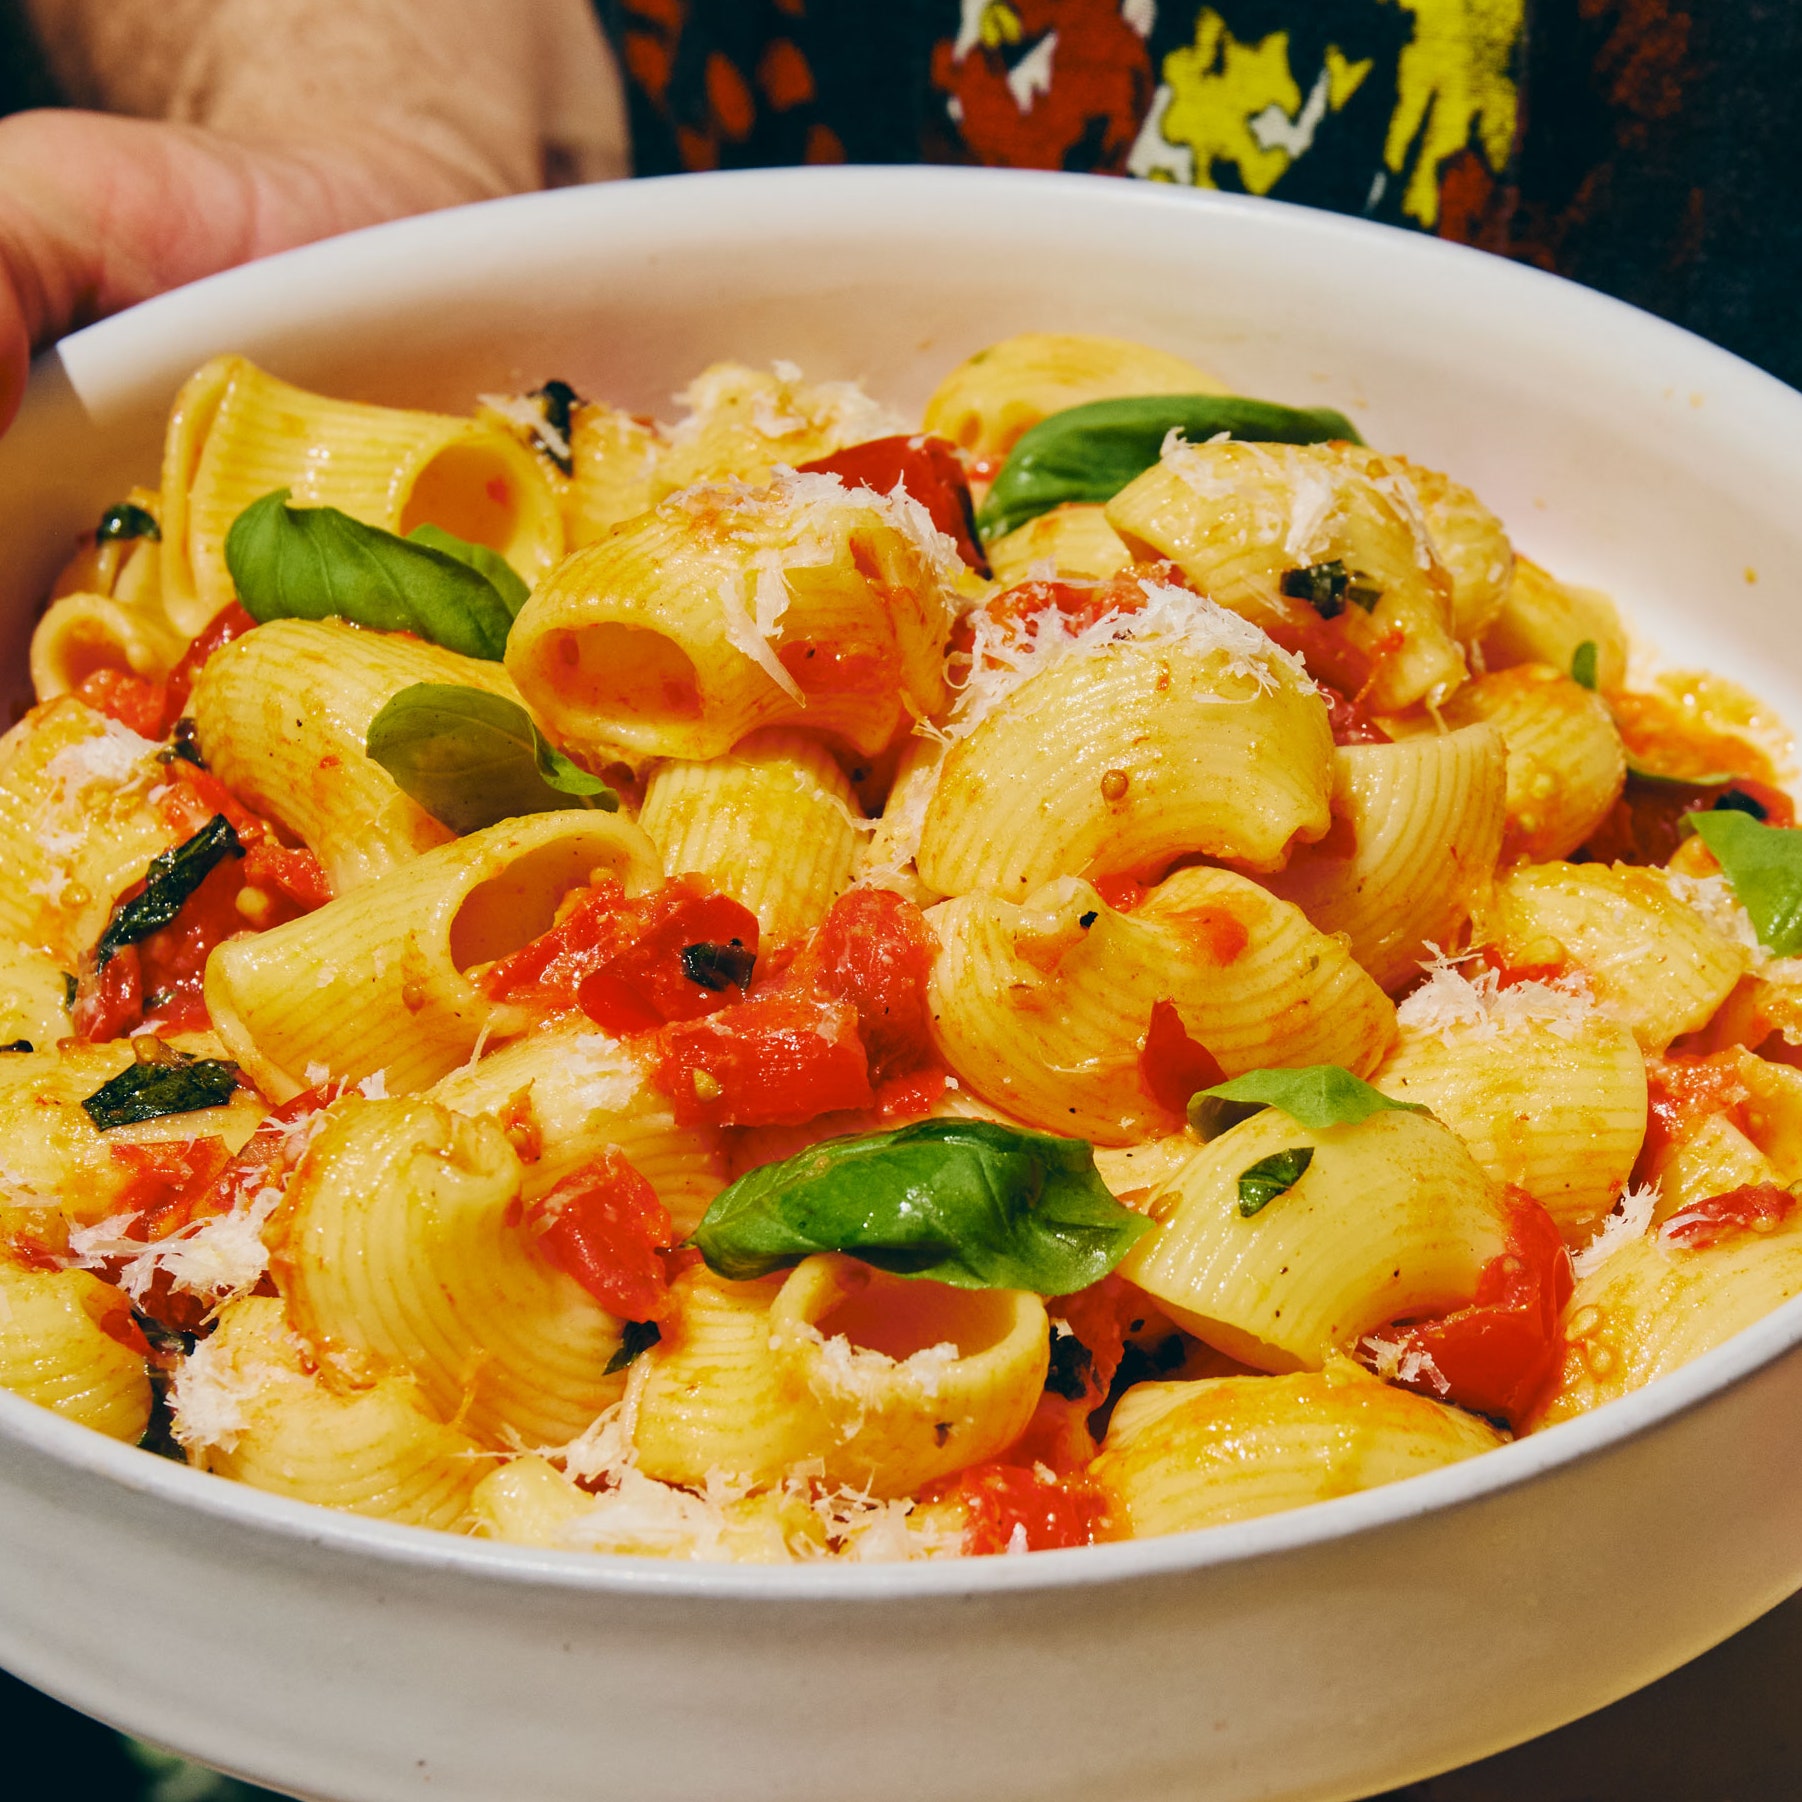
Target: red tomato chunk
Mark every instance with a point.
(604, 1226)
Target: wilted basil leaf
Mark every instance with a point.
(1317, 1095)
(965, 1202)
(127, 520)
(636, 1337)
(1261, 1183)
(1089, 453)
(171, 1083)
(1764, 866)
(719, 967)
(318, 563)
(172, 877)
(470, 758)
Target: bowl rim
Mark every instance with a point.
(103, 350)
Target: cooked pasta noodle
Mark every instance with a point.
(998, 1028)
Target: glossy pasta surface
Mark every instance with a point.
(689, 988)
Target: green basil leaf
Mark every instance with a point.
(127, 520)
(506, 581)
(172, 877)
(1714, 779)
(636, 1337)
(170, 1084)
(1261, 1183)
(1089, 453)
(1583, 665)
(318, 563)
(1317, 1096)
(1764, 866)
(965, 1202)
(470, 758)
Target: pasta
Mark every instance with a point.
(778, 986)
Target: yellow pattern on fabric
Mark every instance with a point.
(1453, 80)
(1218, 86)
(1239, 104)
(1344, 77)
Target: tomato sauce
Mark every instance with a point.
(1172, 1065)
(1682, 1092)
(1023, 1508)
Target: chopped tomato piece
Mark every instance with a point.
(928, 468)
(290, 871)
(1173, 1065)
(912, 1094)
(112, 1315)
(678, 954)
(604, 1226)
(229, 623)
(1350, 723)
(1751, 1208)
(874, 949)
(1496, 1355)
(109, 1000)
(776, 1060)
(165, 1176)
(1012, 1508)
(134, 701)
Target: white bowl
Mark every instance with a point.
(1319, 1654)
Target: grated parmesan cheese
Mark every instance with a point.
(531, 418)
(1631, 1216)
(218, 1385)
(1449, 1000)
(1006, 653)
(1396, 1361)
(782, 407)
(114, 755)
(611, 1077)
(219, 1258)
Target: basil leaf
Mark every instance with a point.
(127, 520)
(1583, 665)
(1764, 866)
(1318, 1095)
(1714, 779)
(172, 877)
(318, 563)
(1261, 1183)
(636, 1337)
(965, 1202)
(171, 1084)
(470, 758)
(506, 581)
(1089, 453)
(719, 967)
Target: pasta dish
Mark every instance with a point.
(806, 983)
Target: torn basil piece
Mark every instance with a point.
(125, 521)
(1261, 1183)
(636, 1337)
(719, 967)
(172, 877)
(168, 1083)
(1583, 665)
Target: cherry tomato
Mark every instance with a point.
(931, 472)
(604, 1226)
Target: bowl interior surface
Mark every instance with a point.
(1617, 450)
